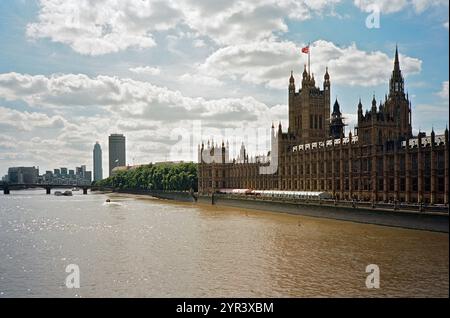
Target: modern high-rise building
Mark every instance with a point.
(98, 170)
(20, 175)
(117, 154)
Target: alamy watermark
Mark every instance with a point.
(373, 279)
(205, 144)
(73, 279)
(373, 19)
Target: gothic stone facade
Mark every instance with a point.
(381, 161)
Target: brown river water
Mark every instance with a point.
(142, 247)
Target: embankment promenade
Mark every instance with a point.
(429, 218)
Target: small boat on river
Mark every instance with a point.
(66, 193)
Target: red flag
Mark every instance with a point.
(305, 49)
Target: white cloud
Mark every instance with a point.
(124, 97)
(446, 25)
(199, 43)
(200, 79)
(103, 26)
(27, 121)
(7, 143)
(107, 26)
(269, 62)
(422, 5)
(444, 91)
(392, 6)
(236, 21)
(146, 70)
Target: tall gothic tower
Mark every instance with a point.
(398, 105)
(392, 119)
(309, 109)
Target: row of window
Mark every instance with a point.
(315, 122)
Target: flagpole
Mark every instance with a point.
(309, 63)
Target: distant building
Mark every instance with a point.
(88, 176)
(19, 175)
(47, 177)
(30, 175)
(98, 170)
(125, 168)
(117, 151)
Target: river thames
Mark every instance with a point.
(143, 247)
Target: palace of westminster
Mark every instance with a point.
(380, 161)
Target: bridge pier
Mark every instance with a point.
(47, 190)
(5, 190)
(85, 190)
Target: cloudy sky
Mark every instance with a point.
(160, 72)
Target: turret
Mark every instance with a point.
(336, 109)
(396, 85)
(360, 109)
(337, 123)
(291, 84)
(374, 105)
(305, 77)
(432, 137)
(326, 81)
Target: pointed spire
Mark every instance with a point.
(326, 76)
(374, 104)
(291, 79)
(360, 111)
(336, 109)
(396, 62)
(396, 83)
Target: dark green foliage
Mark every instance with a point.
(169, 177)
